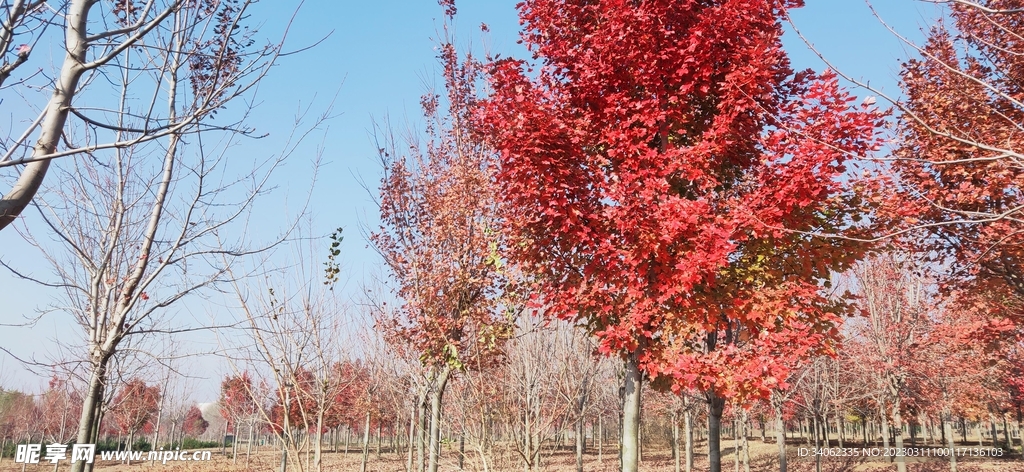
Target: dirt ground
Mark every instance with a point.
(763, 459)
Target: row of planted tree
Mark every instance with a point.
(902, 376)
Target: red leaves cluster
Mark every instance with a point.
(194, 425)
(655, 169)
(60, 409)
(134, 405)
(237, 398)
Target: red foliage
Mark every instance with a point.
(960, 147)
(60, 408)
(194, 424)
(661, 169)
(134, 406)
(237, 400)
(438, 232)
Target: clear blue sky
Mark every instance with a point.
(377, 59)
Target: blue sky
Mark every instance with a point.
(374, 61)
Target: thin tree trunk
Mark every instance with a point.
(412, 432)
(947, 432)
(380, 429)
(745, 443)
(688, 431)
(462, 450)
(675, 443)
(715, 407)
(780, 438)
(630, 440)
(884, 423)
(366, 443)
(897, 419)
(839, 427)
(1006, 434)
(579, 443)
(248, 444)
(735, 443)
(436, 398)
(88, 424)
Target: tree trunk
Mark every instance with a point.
(248, 444)
(715, 407)
(675, 443)
(462, 450)
(436, 398)
(412, 437)
(600, 439)
(380, 429)
(947, 432)
(1006, 434)
(156, 429)
(885, 430)
(88, 423)
(631, 414)
(579, 443)
(421, 434)
(780, 437)
(735, 443)
(839, 428)
(366, 443)
(897, 420)
(745, 443)
(688, 431)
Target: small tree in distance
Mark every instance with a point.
(134, 407)
(194, 425)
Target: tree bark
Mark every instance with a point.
(715, 407)
(947, 432)
(88, 424)
(412, 437)
(897, 420)
(436, 397)
(366, 443)
(780, 437)
(746, 445)
(631, 414)
(675, 443)
(688, 431)
(579, 443)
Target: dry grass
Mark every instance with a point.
(763, 459)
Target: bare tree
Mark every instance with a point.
(294, 329)
(531, 396)
(122, 62)
(136, 235)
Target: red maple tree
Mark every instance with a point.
(959, 146)
(439, 238)
(134, 406)
(194, 424)
(661, 167)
